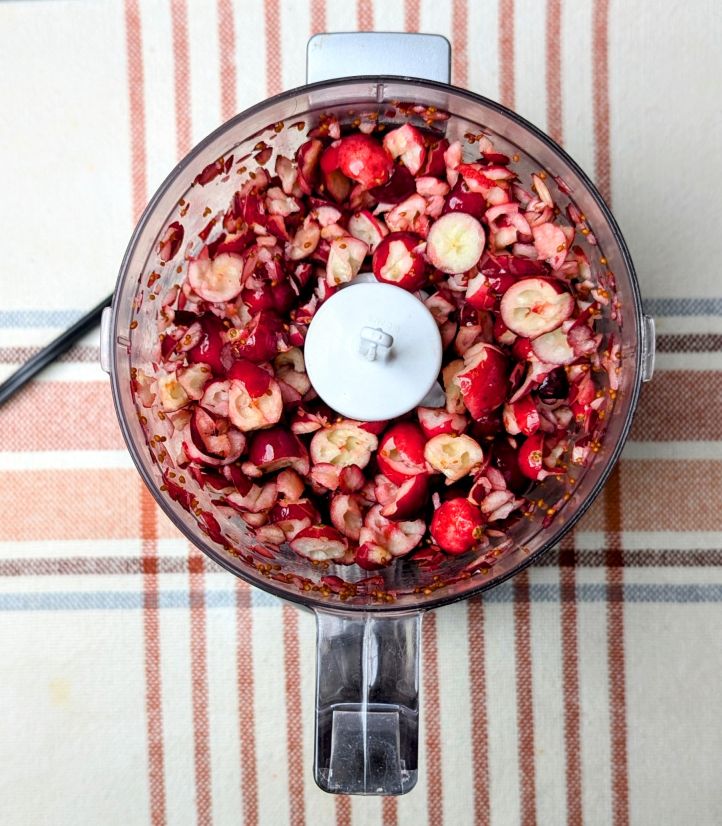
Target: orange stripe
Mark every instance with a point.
(199, 688)
(246, 722)
(389, 811)
(58, 504)
(567, 554)
(54, 504)
(432, 721)
(600, 80)
(412, 15)
(181, 77)
(650, 486)
(459, 15)
(148, 508)
(477, 679)
(227, 47)
(318, 16)
(199, 673)
(570, 680)
(151, 634)
(677, 411)
(554, 69)
(343, 810)
(612, 500)
(524, 699)
(134, 56)
(54, 415)
(506, 52)
(273, 47)
(365, 15)
(615, 651)
(294, 725)
(522, 615)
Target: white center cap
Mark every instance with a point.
(373, 351)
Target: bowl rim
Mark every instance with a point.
(307, 599)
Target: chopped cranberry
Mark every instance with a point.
(500, 259)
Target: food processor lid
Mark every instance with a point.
(373, 351)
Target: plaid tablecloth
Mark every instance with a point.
(143, 685)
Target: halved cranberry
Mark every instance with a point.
(276, 449)
(504, 458)
(435, 421)
(293, 517)
(381, 539)
(256, 379)
(462, 199)
(407, 144)
(409, 499)
(351, 478)
(347, 515)
(401, 452)
(487, 425)
(400, 186)
(171, 241)
(208, 350)
(521, 416)
(212, 441)
(206, 477)
(435, 164)
(483, 381)
(250, 208)
(261, 339)
(307, 158)
(530, 457)
(399, 260)
(279, 297)
(320, 543)
(496, 266)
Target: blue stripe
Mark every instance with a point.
(130, 600)
(39, 318)
(683, 306)
(653, 306)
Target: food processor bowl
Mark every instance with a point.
(368, 626)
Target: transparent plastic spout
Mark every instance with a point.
(367, 702)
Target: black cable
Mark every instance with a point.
(56, 348)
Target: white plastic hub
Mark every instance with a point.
(407, 351)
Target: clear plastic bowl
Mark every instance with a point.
(383, 615)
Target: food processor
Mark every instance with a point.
(367, 697)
